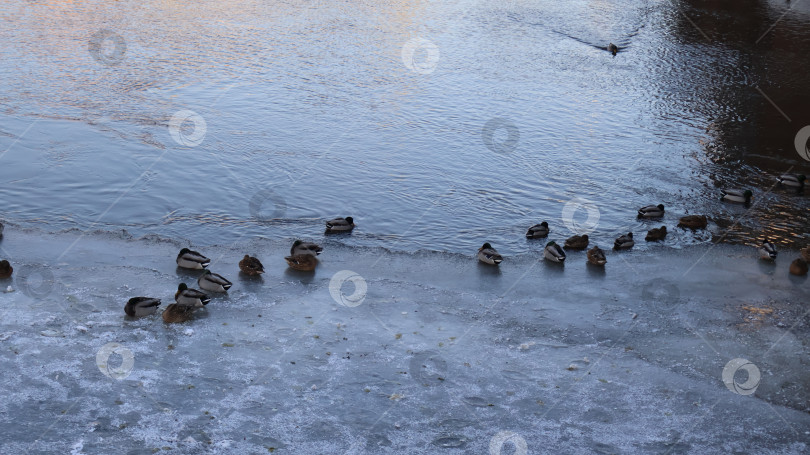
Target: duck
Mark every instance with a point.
(213, 282)
(624, 242)
(651, 211)
(767, 250)
(177, 313)
(554, 252)
(806, 253)
(192, 260)
(693, 221)
(577, 242)
(614, 49)
(798, 267)
(300, 247)
(656, 234)
(250, 265)
(736, 195)
(5, 269)
(190, 297)
(1, 230)
(538, 231)
(141, 306)
(340, 225)
(303, 262)
(488, 255)
(596, 256)
(791, 180)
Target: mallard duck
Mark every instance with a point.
(303, 262)
(554, 252)
(213, 282)
(1, 229)
(5, 269)
(340, 225)
(693, 221)
(538, 231)
(190, 297)
(791, 180)
(738, 196)
(488, 255)
(177, 313)
(192, 260)
(767, 250)
(251, 266)
(577, 242)
(656, 234)
(141, 306)
(624, 242)
(806, 254)
(651, 211)
(300, 247)
(798, 267)
(596, 256)
(614, 49)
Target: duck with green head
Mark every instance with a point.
(792, 180)
(340, 225)
(192, 260)
(736, 195)
(651, 211)
(301, 247)
(137, 307)
(190, 297)
(554, 252)
(489, 255)
(538, 231)
(213, 282)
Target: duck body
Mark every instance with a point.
(489, 255)
(791, 180)
(624, 242)
(737, 196)
(190, 297)
(213, 282)
(340, 225)
(651, 211)
(177, 313)
(5, 269)
(554, 252)
(300, 247)
(141, 306)
(806, 254)
(1, 229)
(613, 49)
(656, 234)
(798, 267)
(577, 242)
(192, 260)
(767, 251)
(596, 256)
(303, 262)
(251, 266)
(693, 221)
(538, 231)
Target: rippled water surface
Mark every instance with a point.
(311, 111)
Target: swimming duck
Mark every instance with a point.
(213, 282)
(624, 242)
(340, 225)
(651, 211)
(806, 253)
(303, 262)
(141, 306)
(5, 269)
(488, 255)
(656, 234)
(577, 242)
(738, 196)
(190, 297)
(767, 250)
(596, 256)
(554, 252)
(177, 313)
(798, 267)
(192, 260)
(251, 266)
(300, 247)
(693, 221)
(613, 48)
(791, 180)
(538, 231)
